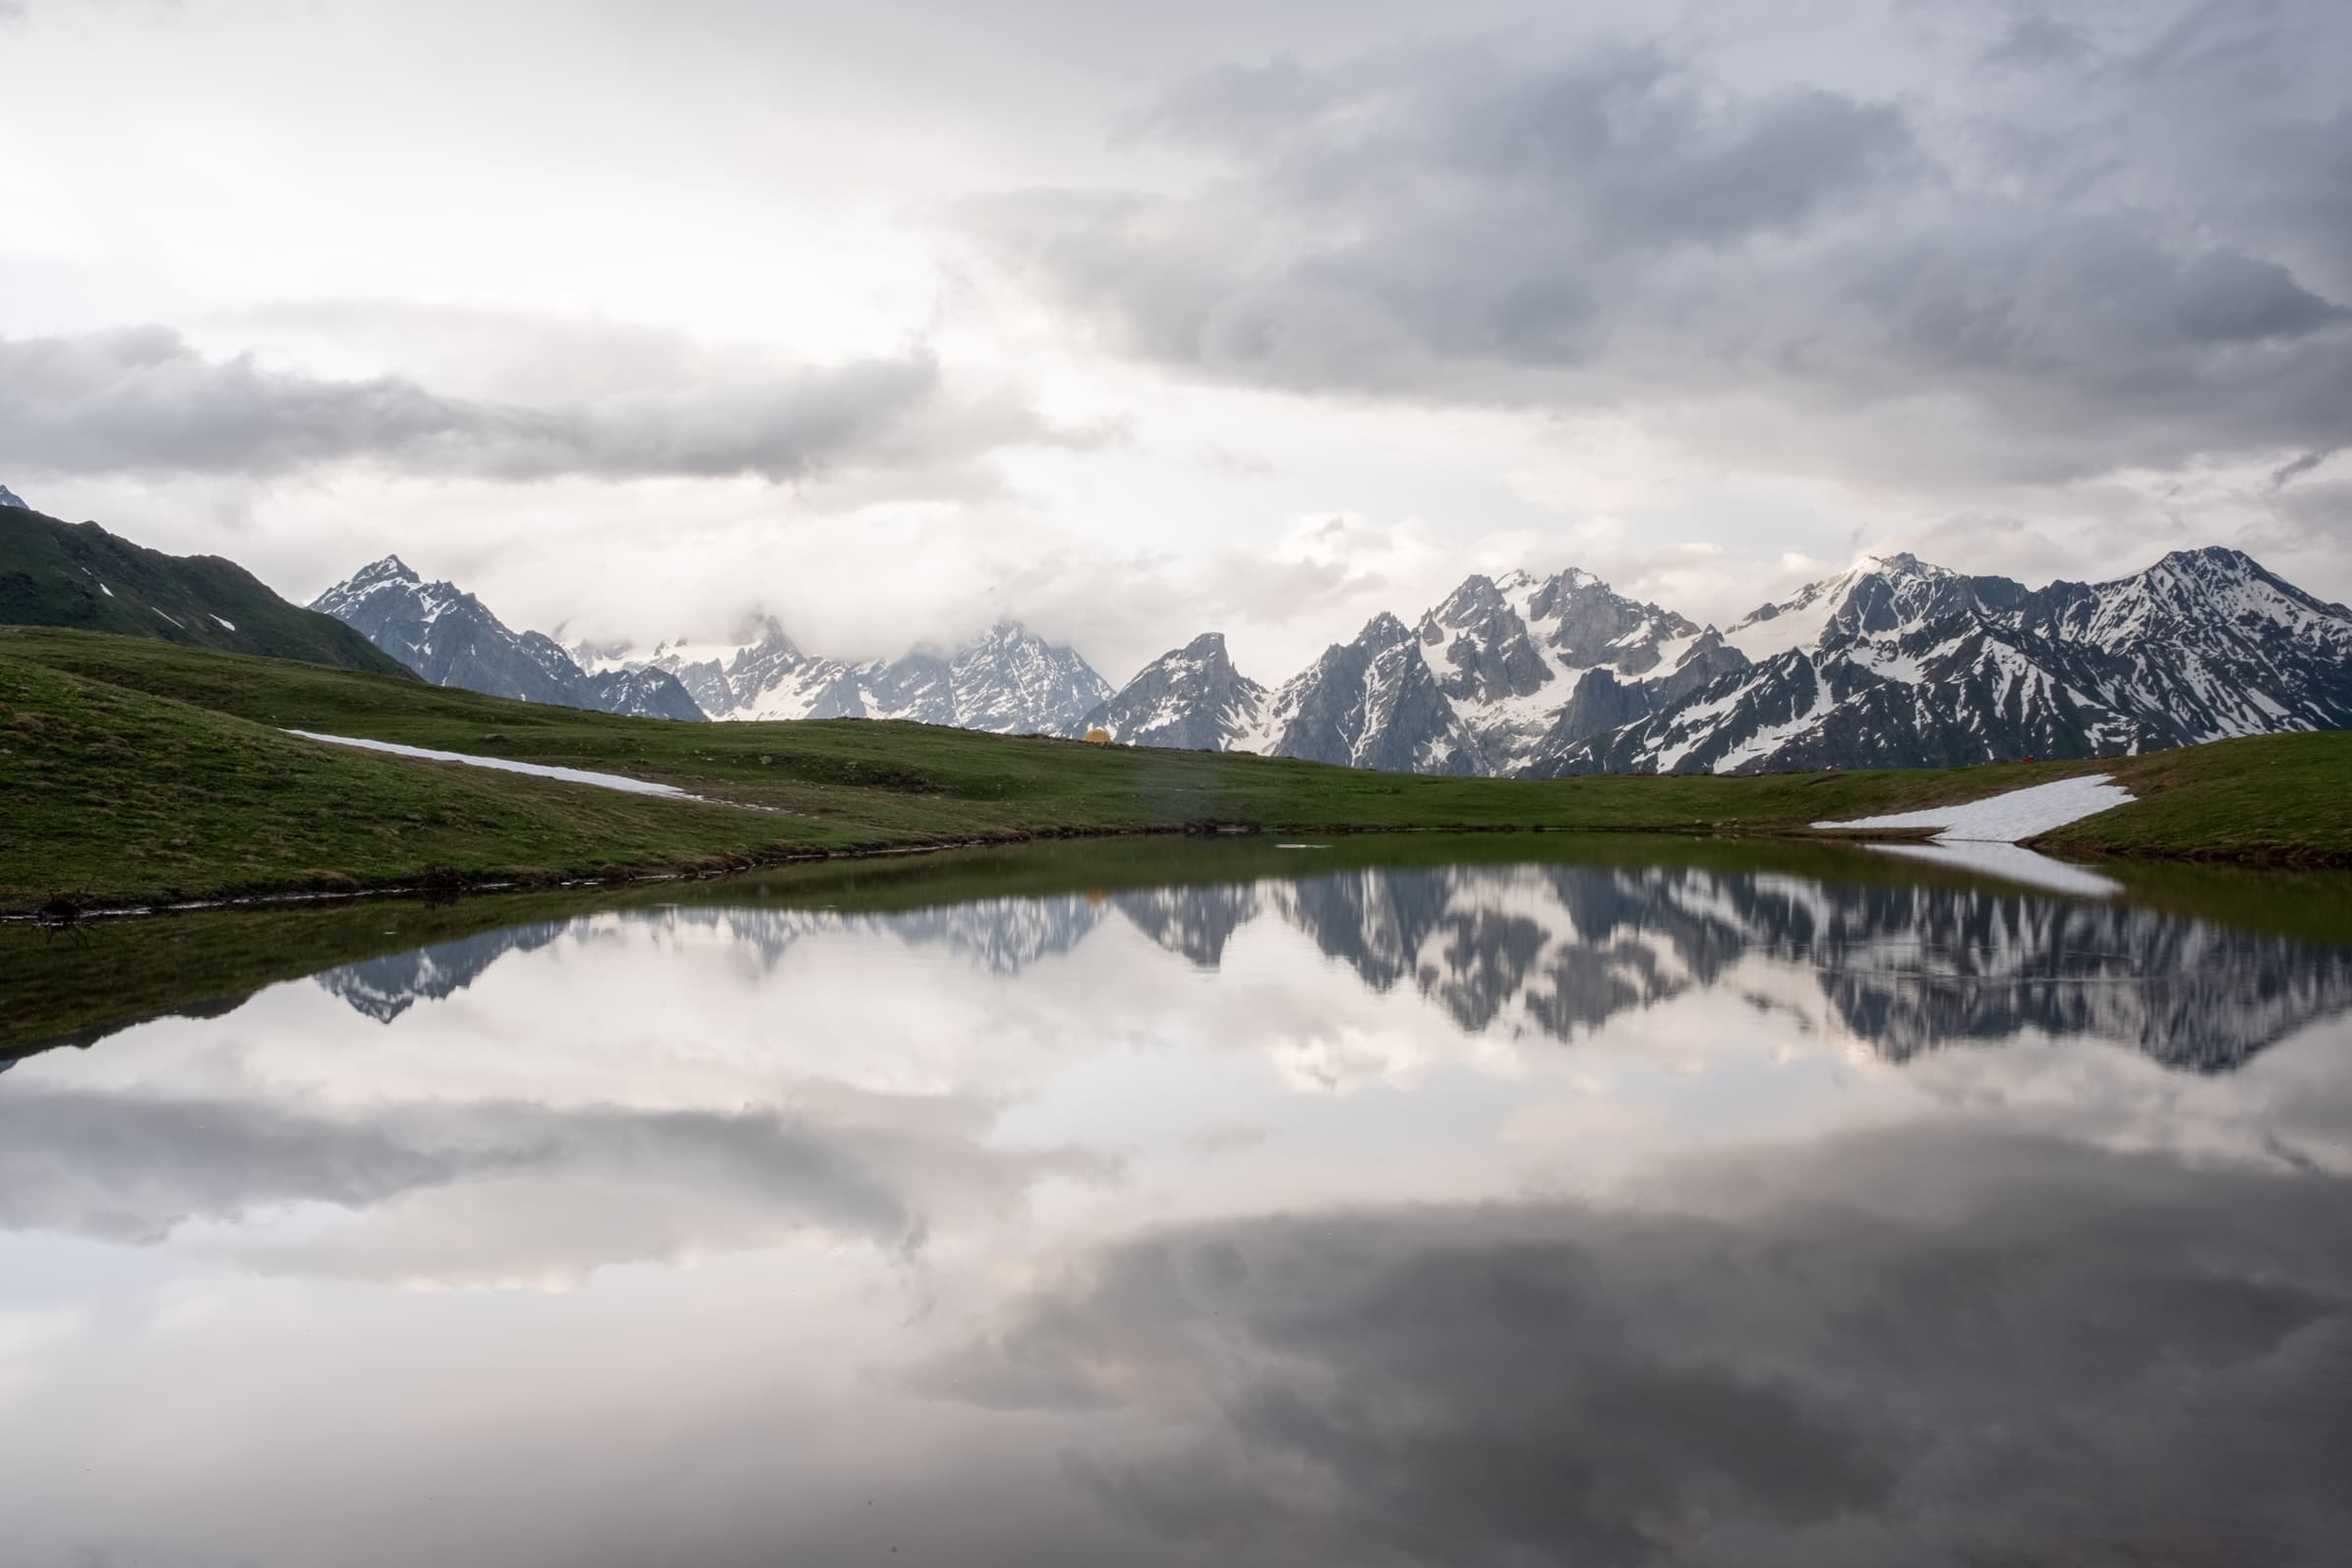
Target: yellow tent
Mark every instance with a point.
(1098, 736)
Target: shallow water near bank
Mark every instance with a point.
(1495, 1202)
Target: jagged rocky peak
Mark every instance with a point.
(389, 573)
(1586, 623)
(1012, 681)
(1209, 644)
(1372, 702)
(1202, 658)
(1482, 643)
(9, 498)
(1189, 697)
(768, 636)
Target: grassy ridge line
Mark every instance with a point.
(135, 769)
(54, 573)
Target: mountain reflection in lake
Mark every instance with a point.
(1481, 1216)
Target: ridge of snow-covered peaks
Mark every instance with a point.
(2207, 643)
(1912, 665)
(1962, 690)
(1009, 680)
(452, 639)
(1190, 698)
(9, 498)
(1372, 702)
(1482, 682)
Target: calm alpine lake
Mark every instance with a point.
(1414, 1201)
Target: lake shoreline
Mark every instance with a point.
(144, 773)
(427, 885)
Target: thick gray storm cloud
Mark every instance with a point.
(2126, 250)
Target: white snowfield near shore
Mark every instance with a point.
(601, 781)
(1983, 836)
(2007, 819)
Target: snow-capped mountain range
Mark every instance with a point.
(1893, 661)
(451, 639)
(1010, 681)
(1899, 663)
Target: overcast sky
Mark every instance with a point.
(1142, 320)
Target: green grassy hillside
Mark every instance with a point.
(79, 575)
(137, 769)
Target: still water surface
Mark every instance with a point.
(1499, 1213)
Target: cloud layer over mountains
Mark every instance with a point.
(2069, 277)
(656, 320)
(143, 400)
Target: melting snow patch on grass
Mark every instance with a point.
(602, 781)
(1982, 834)
(2008, 818)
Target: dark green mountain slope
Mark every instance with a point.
(79, 575)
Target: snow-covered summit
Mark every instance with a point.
(1877, 594)
(9, 498)
(452, 639)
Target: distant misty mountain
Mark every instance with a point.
(9, 498)
(1893, 662)
(451, 639)
(1009, 682)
